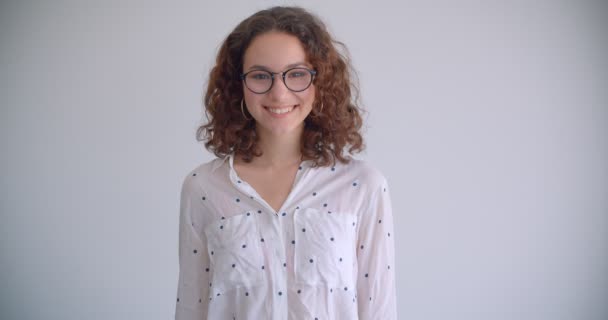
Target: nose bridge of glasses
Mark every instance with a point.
(273, 83)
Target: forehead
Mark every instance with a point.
(274, 50)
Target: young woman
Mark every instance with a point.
(284, 224)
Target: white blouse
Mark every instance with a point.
(327, 254)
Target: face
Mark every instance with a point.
(279, 111)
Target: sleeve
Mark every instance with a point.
(376, 292)
(193, 283)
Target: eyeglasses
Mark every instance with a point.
(295, 79)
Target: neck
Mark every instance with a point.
(279, 150)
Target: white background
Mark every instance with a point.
(489, 119)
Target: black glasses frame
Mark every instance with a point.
(313, 73)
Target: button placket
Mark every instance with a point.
(279, 245)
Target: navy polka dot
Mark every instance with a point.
(194, 174)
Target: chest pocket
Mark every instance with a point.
(235, 253)
(325, 247)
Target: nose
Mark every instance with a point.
(278, 89)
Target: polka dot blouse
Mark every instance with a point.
(328, 253)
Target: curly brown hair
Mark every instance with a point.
(334, 123)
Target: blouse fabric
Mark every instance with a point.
(327, 254)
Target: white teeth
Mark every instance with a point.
(280, 110)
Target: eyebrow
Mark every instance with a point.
(293, 65)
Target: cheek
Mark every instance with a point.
(309, 96)
(250, 98)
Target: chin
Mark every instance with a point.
(282, 130)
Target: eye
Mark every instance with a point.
(297, 74)
(259, 75)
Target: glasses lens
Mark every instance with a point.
(298, 79)
(258, 81)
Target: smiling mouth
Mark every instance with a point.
(281, 110)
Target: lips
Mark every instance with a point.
(281, 110)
